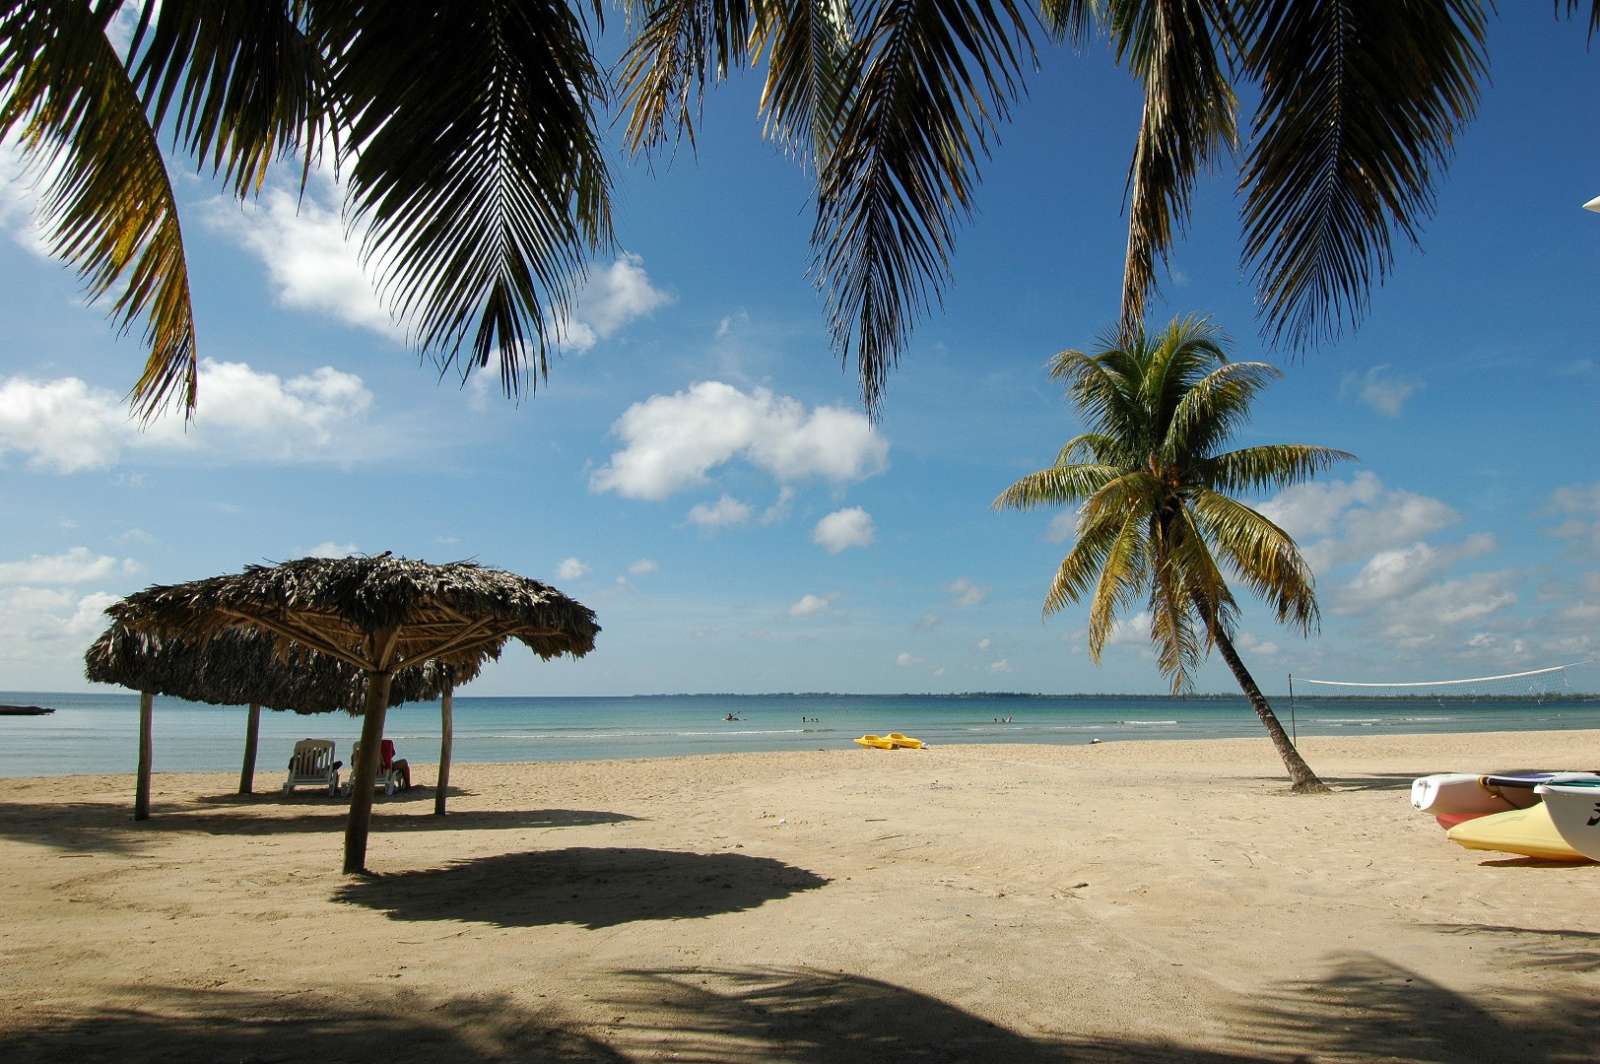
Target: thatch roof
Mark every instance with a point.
(236, 668)
(455, 613)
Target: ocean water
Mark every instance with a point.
(98, 732)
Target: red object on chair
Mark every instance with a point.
(385, 755)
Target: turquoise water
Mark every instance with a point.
(98, 732)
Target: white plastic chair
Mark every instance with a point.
(312, 765)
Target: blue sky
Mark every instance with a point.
(697, 469)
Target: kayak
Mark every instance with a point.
(875, 742)
(1574, 807)
(1529, 832)
(1453, 793)
(905, 742)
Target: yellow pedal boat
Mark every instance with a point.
(905, 742)
(1529, 832)
(875, 742)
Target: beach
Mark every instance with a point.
(1122, 901)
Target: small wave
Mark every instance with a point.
(1147, 722)
(1346, 720)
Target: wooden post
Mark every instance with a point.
(445, 737)
(141, 793)
(252, 732)
(364, 774)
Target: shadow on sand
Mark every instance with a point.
(101, 827)
(248, 1028)
(1363, 1008)
(1547, 949)
(592, 887)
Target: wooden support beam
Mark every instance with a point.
(446, 740)
(364, 775)
(252, 733)
(141, 789)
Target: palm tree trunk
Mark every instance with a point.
(1302, 779)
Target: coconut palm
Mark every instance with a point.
(465, 130)
(1157, 520)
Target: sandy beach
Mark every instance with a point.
(1128, 901)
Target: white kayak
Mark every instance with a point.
(1574, 806)
(1473, 793)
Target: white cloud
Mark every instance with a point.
(79, 565)
(1135, 629)
(66, 426)
(964, 592)
(905, 659)
(671, 442)
(1391, 574)
(329, 549)
(41, 627)
(1580, 506)
(1380, 389)
(985, 643)
(20, 185)
(136, 535)
(725, 512)
(929, 621)
(780, 508)
(812, 604)
(1257, 648)
(644, 566)
(1336, 522)
(571, 569)
(844, 529)
(311, 266)
(1000, 666)
(611, 297)
(1063, 526)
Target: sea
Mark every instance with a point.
(97, 733)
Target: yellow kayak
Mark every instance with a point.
(1529, 832)
(875, 742)
(905, 742)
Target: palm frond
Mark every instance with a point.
(933, 81)
(810, 51)
(1262, 554)
(1078, 570)
(1057, 486)
(239, 81)
(1266, 467)
(680, 45)
(1213, 408)
(107, 198)
(1071, 20)
(1104, 449)
(1360, 105)
(1574, 6)
(1187, 120)
(1177, 361)
(1178, 650)
(1123, 574)
(480, 175)
(1105, 389)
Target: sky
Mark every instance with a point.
(698, 469)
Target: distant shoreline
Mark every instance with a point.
(466, 693)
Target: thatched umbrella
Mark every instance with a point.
(380, 614)
(241, 667)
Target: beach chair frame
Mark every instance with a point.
(388, 780)
(312, 765)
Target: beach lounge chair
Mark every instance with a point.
(312, 765)
(390, 776)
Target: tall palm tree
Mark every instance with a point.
(1153, 485)
(896, 103)
(466, 132)
(468, 135)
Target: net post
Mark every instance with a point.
(1294, 729)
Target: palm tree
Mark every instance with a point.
(466, 132)
(895, 103)
(1154, 487)
(468, 136)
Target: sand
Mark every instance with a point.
(1128, 901)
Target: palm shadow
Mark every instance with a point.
(1369, 1007)
(102, 827)
(592, 887)
(253, 1028)
(420, 792)
(793, 1015)
(1562, 949)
